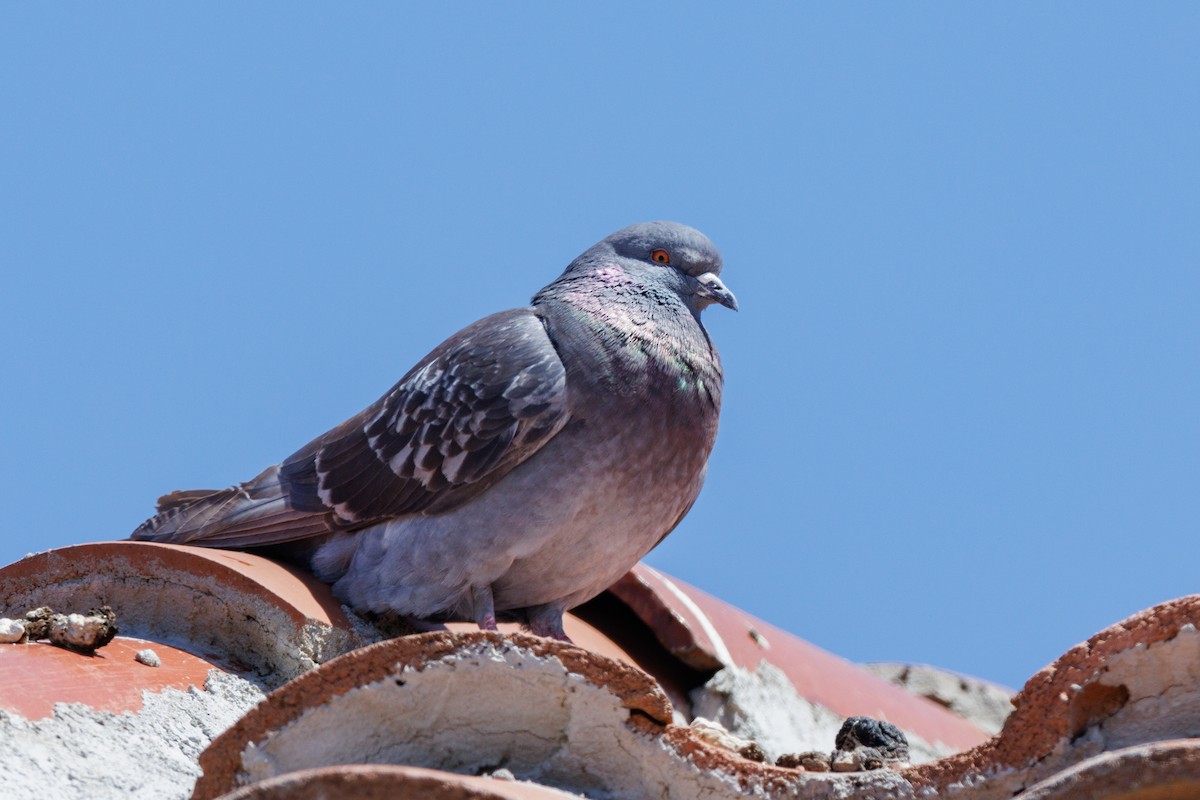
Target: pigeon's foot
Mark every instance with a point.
(547, 621)
(485, 607)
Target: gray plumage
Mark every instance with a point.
(522, 466)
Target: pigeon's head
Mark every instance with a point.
(666, 253)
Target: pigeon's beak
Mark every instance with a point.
(710, 286)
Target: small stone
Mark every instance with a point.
(73, 629)
(84, 633)
(860, 759)
(502, 774)
(844, 761)
(715, 733)
(788, 760)
(884, 737)
(752, 752)
(11, 630)
(147, 657)
(37, 622)
(809, 761)
(816, 762)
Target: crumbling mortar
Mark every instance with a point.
(556, 742)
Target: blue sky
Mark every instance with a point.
(960, 420)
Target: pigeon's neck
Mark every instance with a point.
(634, 337)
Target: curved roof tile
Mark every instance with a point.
(387, 782)
(240, 609)
(1133, 683)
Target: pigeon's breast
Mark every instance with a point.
(606, 510)
(630, 463)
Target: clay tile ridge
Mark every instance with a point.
(1134, 683)
(1168, 770)
(381, 662)
(240, 608)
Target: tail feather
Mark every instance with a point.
(251, 514)
(183, 497)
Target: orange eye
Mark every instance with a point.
(661, 256)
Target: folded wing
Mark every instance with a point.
(480, 404)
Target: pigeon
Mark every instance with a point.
(519, 469)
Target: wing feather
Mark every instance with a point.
(473, 409)
(480, 404)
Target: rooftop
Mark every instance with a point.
(234, 676)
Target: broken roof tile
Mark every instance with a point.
(703, 630)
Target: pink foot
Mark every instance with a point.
(485, 608)
(547, 621)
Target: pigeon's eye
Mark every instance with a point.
(661, 256)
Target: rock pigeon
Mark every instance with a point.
(520, 468)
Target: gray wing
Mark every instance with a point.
(480, 404)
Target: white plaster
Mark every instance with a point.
(101, 755)
(1163, 681)
(984, 704)
(764, 706)
(11, 630)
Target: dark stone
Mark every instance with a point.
(886, 738)
(752, 752)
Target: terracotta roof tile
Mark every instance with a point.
(237, 609)
(502, 700)
(35, 677)
(1133, 683)
(387, 782)
(301, 595)
(1116, 710)
(1159, 771)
